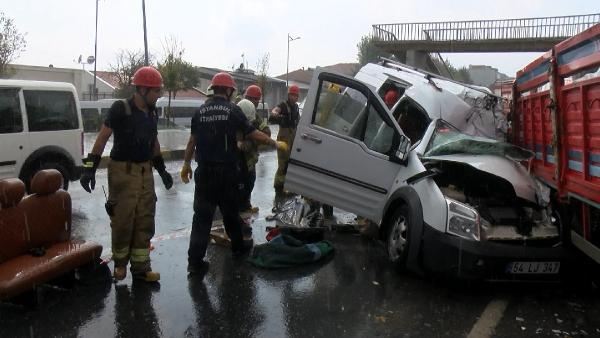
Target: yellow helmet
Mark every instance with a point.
(248, 108)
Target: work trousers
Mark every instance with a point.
(283, 157)
(247, 181)
(131, 194)
(216, 185)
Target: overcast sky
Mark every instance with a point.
(216, 33)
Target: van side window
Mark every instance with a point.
(50, 110)
(104, 113)
(10, 111)
(379, 136)
(346, 111)
(339, 110)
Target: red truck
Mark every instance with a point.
(556, 114)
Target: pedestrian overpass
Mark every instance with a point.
(409, 41)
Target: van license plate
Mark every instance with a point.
(533, 267)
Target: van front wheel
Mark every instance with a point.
(397, 237)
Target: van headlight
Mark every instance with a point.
(463, 220)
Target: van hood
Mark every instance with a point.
(524, 185)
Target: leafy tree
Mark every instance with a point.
(127, 63)
(368, 52)
(459, 74)
(12, 43)
(262, 79)
(177, 73)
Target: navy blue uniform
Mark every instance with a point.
(214, 128)
(134, 133)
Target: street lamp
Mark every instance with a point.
(287, 69)
(95, 94)
(145, 37)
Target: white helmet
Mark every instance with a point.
(248, 108)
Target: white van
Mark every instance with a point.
(93, 113)
(182, 110)
(40, 128)
(446, 201)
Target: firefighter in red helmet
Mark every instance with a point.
(213, 140)
(287, 116)
(131, 201)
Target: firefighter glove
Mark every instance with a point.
(88, 176)
(159, 164)
(166, 178)
(186, 172)
(282, 146)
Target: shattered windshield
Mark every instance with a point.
(447, 140)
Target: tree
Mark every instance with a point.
(262, 78)
(126, 64)
(12, 43)
(459, 74)
(368, 52)
(177, 73)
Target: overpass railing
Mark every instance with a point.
(509, 29)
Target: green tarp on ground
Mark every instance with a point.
(286, 251)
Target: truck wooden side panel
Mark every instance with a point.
(570, 72)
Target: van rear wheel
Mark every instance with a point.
(397, 237)
(47, 165)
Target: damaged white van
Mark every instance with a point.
(447, 196)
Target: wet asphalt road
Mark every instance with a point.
(353, 294)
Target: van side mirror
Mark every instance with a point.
(400, 155)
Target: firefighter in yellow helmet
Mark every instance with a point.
(249, 148)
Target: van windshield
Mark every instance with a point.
(447, 140)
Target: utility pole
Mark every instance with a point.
(287, 69)
(145, 37)
(95, 94)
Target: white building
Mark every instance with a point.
(83, 80)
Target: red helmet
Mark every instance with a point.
(223, 79)
(390, 97)
(293, 89)
(147, 77)
(253, 92)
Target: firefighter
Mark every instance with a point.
(131, 201)
(287, 116)
(213, 140)
(249, 148)
(390, 97)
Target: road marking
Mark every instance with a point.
(489, 319)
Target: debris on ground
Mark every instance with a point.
(298, 212)
(380, 319)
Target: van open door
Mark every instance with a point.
(347, 151)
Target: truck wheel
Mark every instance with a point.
(47, 165)
(397, 237)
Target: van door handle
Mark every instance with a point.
(311, 138)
